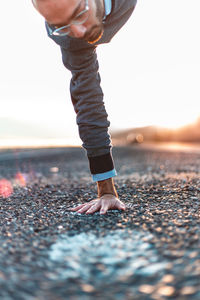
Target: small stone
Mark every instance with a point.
(168, 278)
(2, 276)
(146, 289)
(54, 170)
(166, 290)
(159, 229)
(193, 254)
(188, 290)
(87, 288)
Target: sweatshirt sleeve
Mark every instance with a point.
(80, 58)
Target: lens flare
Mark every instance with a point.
(6, 188)
(20, 179)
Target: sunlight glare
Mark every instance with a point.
(175, 122)
(20, 179)
(6, 188)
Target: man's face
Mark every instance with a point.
(61, 12)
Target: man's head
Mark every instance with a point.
(59, 13)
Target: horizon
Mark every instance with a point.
(40, 141)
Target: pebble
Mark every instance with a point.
(166, 291)
(147, 289)
(168, 278)
(87, 288)
(188, 290)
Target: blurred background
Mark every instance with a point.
(150, 77)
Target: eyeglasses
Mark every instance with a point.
(78, 20)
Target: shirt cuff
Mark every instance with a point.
(104, 176)
(101, 164)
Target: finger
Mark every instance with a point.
(94, 201)
(103, 210)
(93, 208)
(81, 205)
(76, 208)
(121, 205)
(84, 208)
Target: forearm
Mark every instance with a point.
(106, 187)
(87, 98)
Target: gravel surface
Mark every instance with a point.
(150, 251)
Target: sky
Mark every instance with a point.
(150, 71)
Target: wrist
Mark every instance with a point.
(106, 187)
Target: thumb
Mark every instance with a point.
(122, 206)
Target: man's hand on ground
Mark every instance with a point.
(102, 204)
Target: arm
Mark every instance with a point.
(87, 97)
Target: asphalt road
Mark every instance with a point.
(150, 251)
